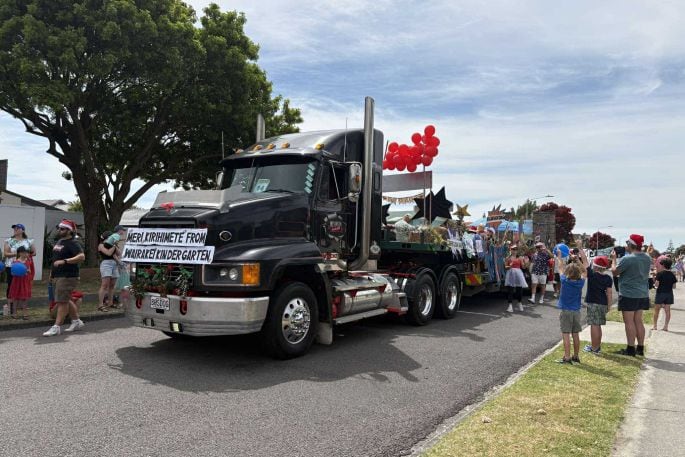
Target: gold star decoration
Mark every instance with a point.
(462, 211)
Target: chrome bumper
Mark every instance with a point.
(206, 316)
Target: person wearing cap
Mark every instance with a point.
(598, 296)
(9, 249)
(109, 270)
(540, 268)
(67, 255)
(633, 292)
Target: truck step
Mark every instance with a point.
(359, 316)
(470, 291)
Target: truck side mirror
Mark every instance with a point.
(219, 179)
(355, 181)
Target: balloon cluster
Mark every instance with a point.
(422, 152)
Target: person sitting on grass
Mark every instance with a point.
(665, 283)
(570, 295)
(597, 298)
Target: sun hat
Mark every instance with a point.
(601, 261)
(67, 224)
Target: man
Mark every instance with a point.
(633, 292)
(539, 270)
(65, 271)
(403, 228)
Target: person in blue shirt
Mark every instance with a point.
(572, 280)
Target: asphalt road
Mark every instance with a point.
(380, 388)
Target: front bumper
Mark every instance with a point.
(205, 316)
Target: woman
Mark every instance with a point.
(19, 238)
(109, 272)
(514, 280)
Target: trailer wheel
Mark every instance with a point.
(422, 301)
(291, 321)
(450, 296)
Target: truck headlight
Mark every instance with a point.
(233, 274)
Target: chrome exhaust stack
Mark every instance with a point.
(367, 187)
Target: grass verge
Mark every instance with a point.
(553, 409)
(616, 316)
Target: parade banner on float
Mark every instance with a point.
(172, 245)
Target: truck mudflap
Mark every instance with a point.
(203, 316)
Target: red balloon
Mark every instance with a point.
(416, 138)
(429, 130)
(391, 165)
(392, 147)
(385, 164)
(401, 166)
(434, 141)
(411, 167)
(431, 151)
(426, 160)
(399, 160)
(404, 150)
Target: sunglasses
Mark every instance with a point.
(62, 228)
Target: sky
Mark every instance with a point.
(581, 100)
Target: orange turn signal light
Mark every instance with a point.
(251, 274)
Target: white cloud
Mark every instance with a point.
(582, 100)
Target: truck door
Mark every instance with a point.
(333, 227)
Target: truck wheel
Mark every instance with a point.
(290, 325)
(422, 301)
(450, 296)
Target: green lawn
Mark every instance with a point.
(553, 409)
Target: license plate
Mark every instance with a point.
(159, 303)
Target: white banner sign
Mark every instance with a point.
(168, 254)
(166, 237)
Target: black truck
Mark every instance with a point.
(298, 247)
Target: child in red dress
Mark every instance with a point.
(20, 289)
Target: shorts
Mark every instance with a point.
(596, 314)
(63, 289)
(569, 321)
(632, 304)
(109, 269)
(664, 298)
(538, 279)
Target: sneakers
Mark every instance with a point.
(52, 331)
(520, 307)
(75, 325)
(640, 350)
(510, 309)
(532, 300)
(575, 359)
(629, 350)
(555, 295)
(541, 301)
(588, 348)
(565, 361)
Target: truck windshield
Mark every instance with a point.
(272, 177)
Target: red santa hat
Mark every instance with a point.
(636, 240)
(67, 224)
(601, 261)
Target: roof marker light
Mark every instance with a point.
(270, 146)
(319, 146)
(257, 147)
(285, 145)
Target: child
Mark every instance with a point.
(515, 280)
(570, 294)
(665, 283)
(597, 298)
(20, 289)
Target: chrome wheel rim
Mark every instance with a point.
(452, 295)
(426, 299)
(296, 320)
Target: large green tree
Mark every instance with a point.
(133, 89)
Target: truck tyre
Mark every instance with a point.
(450, 296)
(422, 301)
(291, 321)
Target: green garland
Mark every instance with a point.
(157, 278)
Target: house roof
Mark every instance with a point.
(29, 201)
